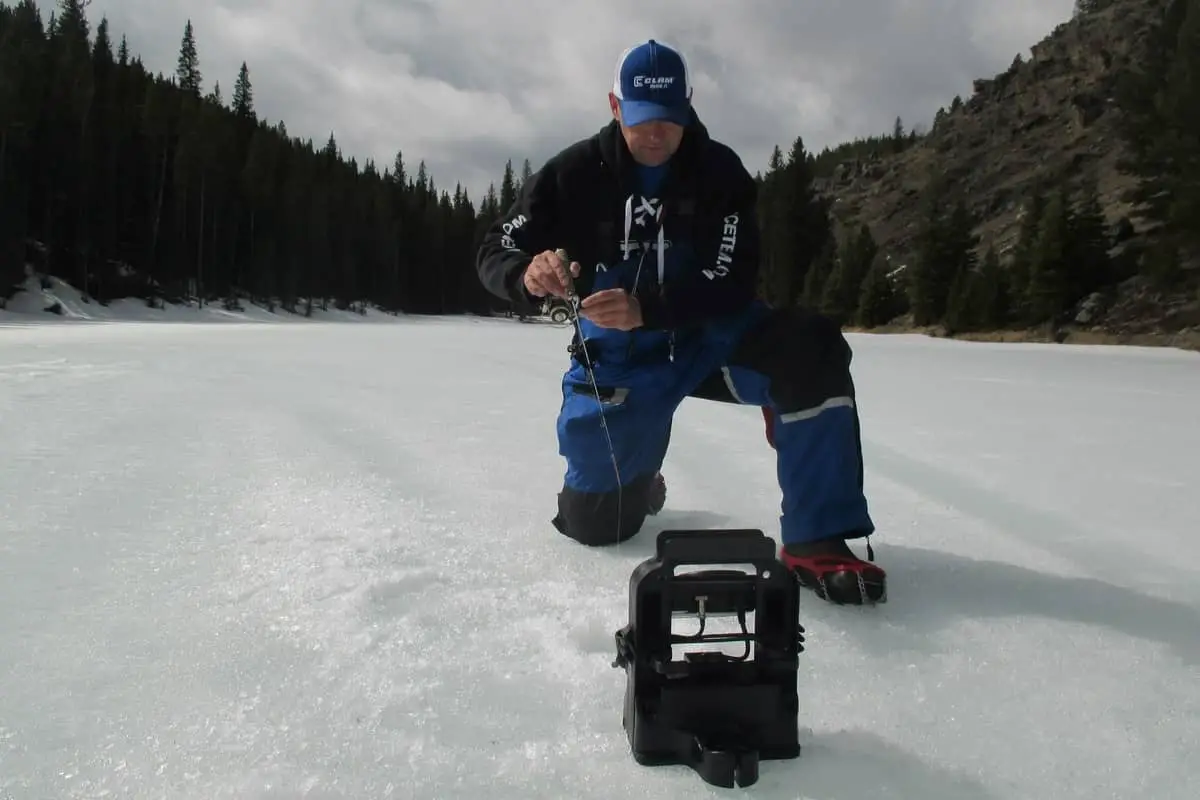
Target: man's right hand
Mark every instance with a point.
(547, 274)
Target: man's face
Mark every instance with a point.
(650, 143)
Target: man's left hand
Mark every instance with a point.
(612, 308)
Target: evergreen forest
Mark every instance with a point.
(128, 183)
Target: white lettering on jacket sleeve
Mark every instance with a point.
(509, 228)
(729, 233)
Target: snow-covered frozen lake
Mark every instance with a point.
(314, 561)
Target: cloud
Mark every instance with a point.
(467, 84)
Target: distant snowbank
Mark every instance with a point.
(63, 303)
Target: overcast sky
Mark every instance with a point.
(467, 84)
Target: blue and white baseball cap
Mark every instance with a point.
(652, 82)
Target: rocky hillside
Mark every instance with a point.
(1050, 117)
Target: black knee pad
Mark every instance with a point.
(597, 519)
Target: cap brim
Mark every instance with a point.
(635, 112)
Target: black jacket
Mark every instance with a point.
(576, 201)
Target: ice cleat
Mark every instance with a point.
(833, 572)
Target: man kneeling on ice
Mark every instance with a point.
(658, 221)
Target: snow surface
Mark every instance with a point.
(314, 561)
(30, 305)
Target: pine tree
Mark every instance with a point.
(958, 317)
(840, 296)
(399, 171)
(935, 261)
(1049, 279)
(818, 274)
(71, 21)
(808, 214)
(946, 249)
(990, 295)
(878, 299)
(795, 224)
(1088, 259)
(978, 298)
(72, 94)
(526, 175)
(243, 94)
(961, 263)
(187, 71)
(774, 277)
(508, 187)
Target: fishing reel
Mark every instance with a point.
(715, 711)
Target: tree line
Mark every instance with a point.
(132, 184)
(1061, 256)
(127, 183)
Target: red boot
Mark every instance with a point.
(831, 570)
